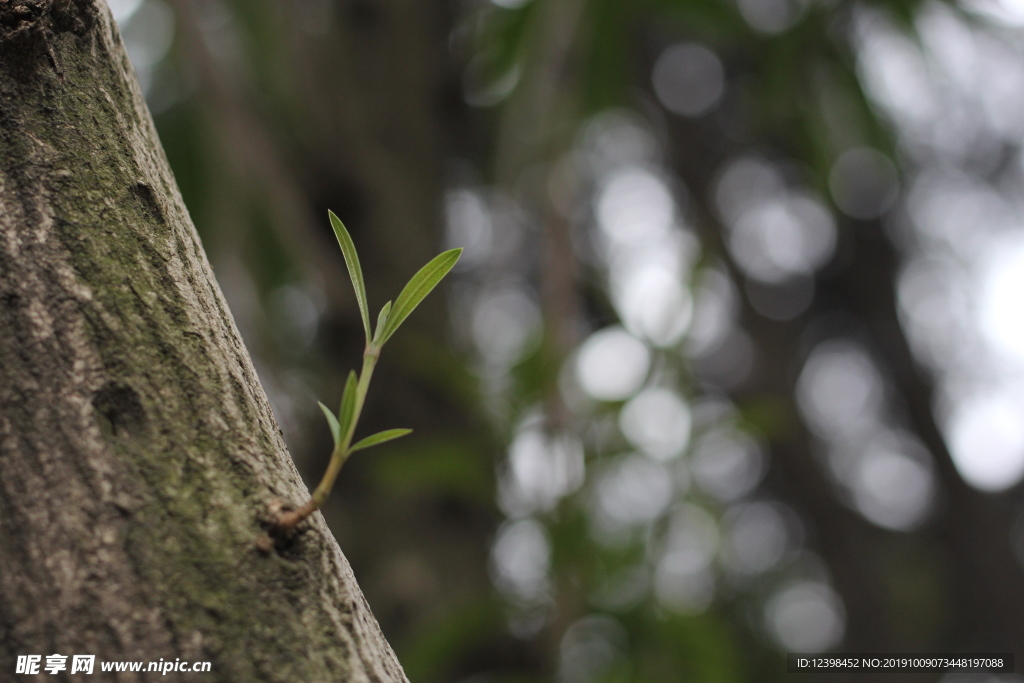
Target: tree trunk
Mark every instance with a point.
(138, 453)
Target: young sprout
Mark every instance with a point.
(343, 425)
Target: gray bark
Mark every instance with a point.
(138, 453)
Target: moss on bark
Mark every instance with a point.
(138, 452)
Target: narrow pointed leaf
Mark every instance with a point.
(382, 320)
(380, 437)
(333, 422)
(355, 271)
(348, 405)
(421, 284)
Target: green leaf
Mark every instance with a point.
(348, 405)
(382, 320)
(333, 422)
(355, 271)
(421, 284)
(380, 437)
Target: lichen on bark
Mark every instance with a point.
(138, 453)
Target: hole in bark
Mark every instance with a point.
(290, 546)
(120, 409)
(145, 200)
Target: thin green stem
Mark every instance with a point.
(341, 451)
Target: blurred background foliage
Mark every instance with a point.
(733, 364)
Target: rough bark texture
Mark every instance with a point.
(138, 452)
